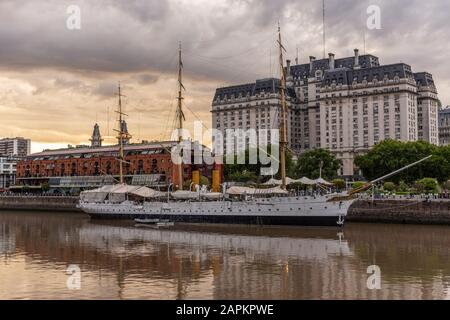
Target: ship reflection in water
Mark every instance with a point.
(119, 261)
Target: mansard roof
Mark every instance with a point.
(348, 76)
(424, 79)
(270, 85)
(303, 70)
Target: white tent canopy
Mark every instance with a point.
(304, 180)
(307, 181)
(324, 182)
(117, 193)
(145, 192)
(275, 182)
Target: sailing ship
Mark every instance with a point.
(237, 205)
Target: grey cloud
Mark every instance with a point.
(225, 43)
(105, 90)
(145, 11)
(146, 78)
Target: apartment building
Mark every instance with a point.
(15, 147)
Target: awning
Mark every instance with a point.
(324, 182)
(147, 193)
(275, 182)
(304, 180)
(307, 181)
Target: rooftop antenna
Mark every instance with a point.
(323, 29)
(107, 120)
(364, 40)
(270, 62)
(139, 126)
(296, 57)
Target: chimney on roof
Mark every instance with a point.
(311, 62)
(331, 60)
(288, 67)
(356, 58)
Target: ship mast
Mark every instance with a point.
(180, 115)
(283, 129)
(120, 134)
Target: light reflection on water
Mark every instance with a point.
(120, 261)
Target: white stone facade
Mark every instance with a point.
(343, 105)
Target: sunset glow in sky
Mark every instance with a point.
(55, 83)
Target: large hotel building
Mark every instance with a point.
(344, 105)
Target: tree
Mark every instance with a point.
(358, 184)
(339, 184)
(252, 172)
(309, 164)
(204, 181)
(244, 176)
(391, 155)
(427, 185)
(402, 187)
(389, 186)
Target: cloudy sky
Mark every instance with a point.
(55, 83)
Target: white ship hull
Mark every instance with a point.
(312, 211)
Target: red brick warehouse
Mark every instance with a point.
(145, 164)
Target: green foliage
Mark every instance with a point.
(403, 193)
(252, 172)
(389, 186)
(187, 184)
(402, 187)
(244, 176)
(339, 184)
(390, 155)
(358, 184)
(427, 185)
(204, 181)
(308, 164)
(45, 187)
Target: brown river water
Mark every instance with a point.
(68, 256)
